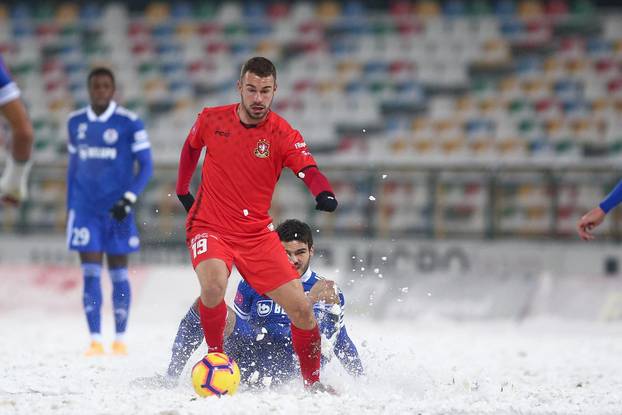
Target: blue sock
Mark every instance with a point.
(188, 339)
(121, 299)
(92, 298)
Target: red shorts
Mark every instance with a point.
(261, 260)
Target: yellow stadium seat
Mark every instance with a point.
(530, 9)
(157, 12)
(67, 13)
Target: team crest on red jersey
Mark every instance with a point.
(263, 149)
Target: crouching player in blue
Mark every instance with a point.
(106, 141)
(258, 333)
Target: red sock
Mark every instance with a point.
(213, 321)
(308, 348)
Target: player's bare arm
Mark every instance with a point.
(230, 325)
(21, 128)
(13, 184)
(324, 290)
(589, 221)
(595, 217)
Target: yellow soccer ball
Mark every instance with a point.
(216, 374)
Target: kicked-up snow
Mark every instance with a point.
(426, 366)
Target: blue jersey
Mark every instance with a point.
(103, 150)
(261, 339)
(8, 89)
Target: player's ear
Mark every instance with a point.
(311, 252)
(238, 84)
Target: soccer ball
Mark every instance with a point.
(216, 374)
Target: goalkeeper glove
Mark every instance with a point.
(326, 201)
(14, 181)
(123, 207)
(187, 200)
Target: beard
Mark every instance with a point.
(302, 269)
(258, 112)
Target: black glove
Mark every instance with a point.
(326, 201)
(123, 207)
(187, 200)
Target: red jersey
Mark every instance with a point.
(241, 168)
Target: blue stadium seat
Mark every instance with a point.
(182, 10)
(454, 8)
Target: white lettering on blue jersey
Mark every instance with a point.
(104, 153)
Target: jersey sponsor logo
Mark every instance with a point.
(82, 130)
(300, 145)
(265, 307)
(263, 149)
(110, 136)
(101, 153)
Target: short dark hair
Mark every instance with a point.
(100, 71)
(295, 230)
(260, 66)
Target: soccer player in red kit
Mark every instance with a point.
(247, 147)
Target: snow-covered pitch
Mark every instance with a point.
(427, 366)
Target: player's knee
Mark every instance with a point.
(301, 314)
(213, 292)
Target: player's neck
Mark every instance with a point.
(99, 109)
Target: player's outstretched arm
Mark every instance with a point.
(348, 355)
(320, 188)
(589, 221)
(188, 338)
(230, 323)
(14, 180)
(344, 347)
(188, 161)
(595, 217)
(324, 290)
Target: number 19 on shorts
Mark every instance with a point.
(199, 247)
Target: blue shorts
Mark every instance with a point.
(87, 232)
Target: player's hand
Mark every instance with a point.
(123, 207)
(187, 200)
(324, 290)
(14, 181)
(589, 221)
(326, 201)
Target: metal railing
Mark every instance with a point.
(434, 201)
